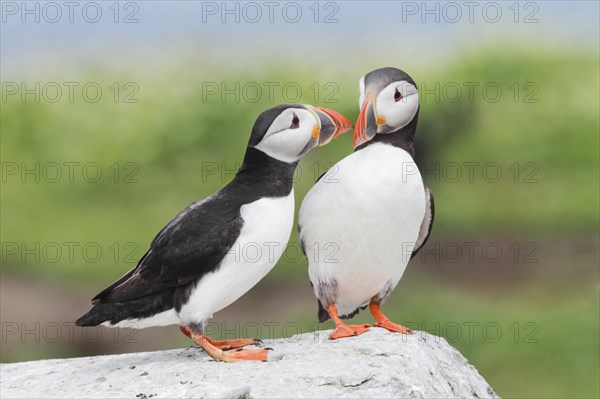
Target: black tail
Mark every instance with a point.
(323, 315)
(114, 313)
(97, 315)
(138, 308)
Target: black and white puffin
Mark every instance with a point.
(372, 206)
(199, 263)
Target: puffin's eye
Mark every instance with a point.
(295, 122)
(397, 95)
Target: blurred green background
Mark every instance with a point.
(527, 317)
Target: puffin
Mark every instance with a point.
(217, 248)
(370, 213)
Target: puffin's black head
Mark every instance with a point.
(288, 132)
(388, 102)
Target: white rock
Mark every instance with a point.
(377, 364)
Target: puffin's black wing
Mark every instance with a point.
(427, 222)
(189, 246)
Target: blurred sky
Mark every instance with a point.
(364, 30)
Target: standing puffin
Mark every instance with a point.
(371, 206)
(200, 262)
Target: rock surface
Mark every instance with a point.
(377, 364)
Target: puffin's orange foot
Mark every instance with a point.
(235, 343)
(383, 322)
(345, 330)
(393, 327)
(246, 354)
(228, 356)
(224, 345)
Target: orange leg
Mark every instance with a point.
(383, 322)
(225, 345)
(217, 349)
(186, 331)
(342, 329)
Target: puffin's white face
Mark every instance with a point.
(291, 135)
(384, 110)
(395, 106)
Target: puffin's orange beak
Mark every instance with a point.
(366, 125)
(333, 124)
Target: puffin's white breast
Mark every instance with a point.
(360, 222)
(266, 231)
